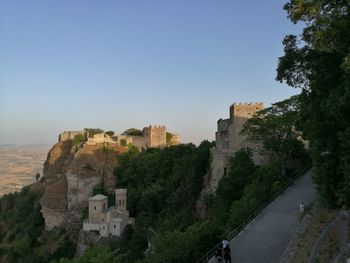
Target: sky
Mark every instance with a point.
(116, 64)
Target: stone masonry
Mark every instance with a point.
(229, 140)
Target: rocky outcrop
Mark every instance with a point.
(70, 174)
(87, 239)
(54, 203)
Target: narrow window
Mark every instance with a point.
(95, 207)
(114, 226)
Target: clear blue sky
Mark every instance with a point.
(66, 65)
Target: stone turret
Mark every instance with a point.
(121, 199)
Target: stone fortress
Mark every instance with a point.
(152, 136)
(229, 140)
(108, 221)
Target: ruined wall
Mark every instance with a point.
(222, 134)
(139, 141)
(69, 135)
(229, 140)
(100, 138)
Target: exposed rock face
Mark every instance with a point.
(54, 203)
(87, 239)
(70, 174)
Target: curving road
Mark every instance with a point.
(265, 239)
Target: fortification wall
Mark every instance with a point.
(158, 136)
(69, 135)
(229, 140)
(222, 134)
(239, 114)
(139, 141)
(100, 138)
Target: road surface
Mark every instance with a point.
(265, 239)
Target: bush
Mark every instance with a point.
(78, 139)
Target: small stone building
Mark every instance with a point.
(108, 220)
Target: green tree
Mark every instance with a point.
(318, 62)
(169, 136)
(110, 133)
(78, 139)
(274, 129)
(93, 131)
(231, 186)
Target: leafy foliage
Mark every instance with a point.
(110, 133)
(93, 131)
(133, 132)
(78, 139)
(318, 62)
(169, 136)
(22, 235)
(274, 129)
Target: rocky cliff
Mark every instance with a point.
(70, 174)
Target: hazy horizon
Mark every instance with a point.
(119, 64)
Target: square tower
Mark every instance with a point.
(121, 199)
(97, 205)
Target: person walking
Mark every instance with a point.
(219, 254)
(302, 207)
(227, 252)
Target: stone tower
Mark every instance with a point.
(97, 205)
(155, 136)
(229, 140)
(121, 199)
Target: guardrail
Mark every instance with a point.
(252, 216)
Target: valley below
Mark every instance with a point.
(19, 165)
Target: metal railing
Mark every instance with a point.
(252, 216)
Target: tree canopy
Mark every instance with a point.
(318, 62)
(273, 129)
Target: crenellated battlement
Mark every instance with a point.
(245, 110)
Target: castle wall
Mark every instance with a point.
(222, 135)
(229, 140)
(139, 141)
(69, 135)
(100, 138)
(158, 136)
(239, 114)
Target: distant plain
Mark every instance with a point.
(19, 165)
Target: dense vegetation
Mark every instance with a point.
(318, 62)
(93, 131)
(163, 188)
(22, 234)
(133, 132)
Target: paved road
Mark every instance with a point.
(265, 239)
